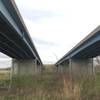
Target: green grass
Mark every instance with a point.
(45, 86)
(51, 85)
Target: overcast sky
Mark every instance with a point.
(58, 25)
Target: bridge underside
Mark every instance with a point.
(79, 60)
(89, 47)
(89, 52)
(11, 43)
(15, 46)
(16, 42)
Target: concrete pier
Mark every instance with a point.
(25, 67)
(81, 68)
(60, 68)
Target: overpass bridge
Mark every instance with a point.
(15, 40)
(79, 60)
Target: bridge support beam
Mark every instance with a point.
(25, 67)
(66, 69)
(80, 68)
(60, 68)
(23, 74)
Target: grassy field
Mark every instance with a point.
(4, 79)
(51, 85)
(46, 86)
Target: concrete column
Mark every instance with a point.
(80, 68)
(35, 66)
(60, 68)
(70, 69)
(66, 69)
(23, 72)
(38, 67)
(56, 68)
(24, 67)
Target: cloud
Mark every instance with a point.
(36, 15)
(44, 42)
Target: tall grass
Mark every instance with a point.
(52, 85)
(45, 86)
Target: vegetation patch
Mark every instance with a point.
(50, 85)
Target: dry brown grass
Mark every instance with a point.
(52, 85)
